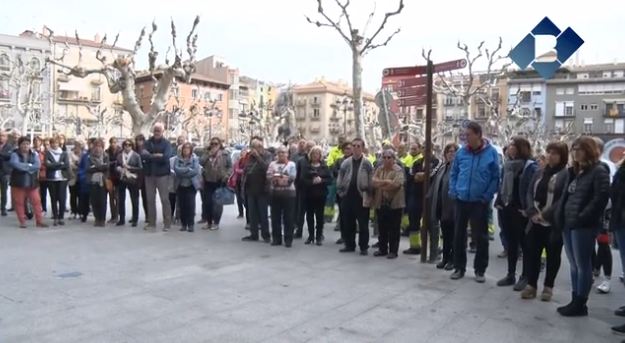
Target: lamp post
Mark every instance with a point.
(344, 105)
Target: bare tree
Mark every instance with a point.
(26, 79)
(474, 87)
(120, 74)
(359, 46)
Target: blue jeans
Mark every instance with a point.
(619, 235)
(579, 245)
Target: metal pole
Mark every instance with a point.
(427, 166)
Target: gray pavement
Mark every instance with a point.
(85, 284)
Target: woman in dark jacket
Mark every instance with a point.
(517, 173)
(315, 178)
(25, 164)
(617, 224)
(57, 175)
(542, 198)
(97, 170)
(579, 216)
(129, 165)
(442, 213)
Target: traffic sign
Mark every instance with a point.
(412, 101)
(412, 91)
(451, 65)
(417, 81)
(404, 71)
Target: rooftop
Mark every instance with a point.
(322, 85)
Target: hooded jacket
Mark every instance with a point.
(475, 174)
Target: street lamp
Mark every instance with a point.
(344, 105)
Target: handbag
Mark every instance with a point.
(223, 196)
(198, 181)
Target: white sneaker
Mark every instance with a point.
(604, 287)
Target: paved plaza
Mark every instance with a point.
(82, 284)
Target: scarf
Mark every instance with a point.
(56, 155)
(97, 177)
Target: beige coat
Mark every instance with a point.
(397, 195)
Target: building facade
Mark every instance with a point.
(25, 85)
(587, 99)
(196, 108)
(324, 110)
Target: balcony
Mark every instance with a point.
(315, 103)
(315, 118)
(315, 129)
(300, 102)
(335, 118)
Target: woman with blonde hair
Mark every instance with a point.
(315, 178)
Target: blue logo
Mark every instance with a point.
(567, 42)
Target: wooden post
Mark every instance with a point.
(427, 162)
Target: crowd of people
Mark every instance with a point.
(563, 197)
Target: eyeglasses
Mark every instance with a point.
(214, 144)
(388, 157)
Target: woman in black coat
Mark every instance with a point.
(617, 224)
(57, 176)
(579, 217)
(545, 190)
(97, 173)
(316, 177)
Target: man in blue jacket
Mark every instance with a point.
(157, 153)
(473, 182)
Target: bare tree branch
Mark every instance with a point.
(330, 22)
(345, 14)
(371, 15)
(153, 54)
(138, 42)
(79, 47)
(369, 41)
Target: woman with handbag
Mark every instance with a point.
(129, 166)
(217, 166)
(186, 168)
(57, 174)
(97, 170)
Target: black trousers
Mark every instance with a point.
(389, 228)
(144, 200)
(133, 189)
(513, 225)
(73, 199)
(282, 217)
(43, 194)
(314, 212)
(4, 186)
(301, 210)
(58, 196)
(211, 211)
(186, 205)
(602, 258)
(240, 199)
(538, 238)
(447, 228)
(355, 215)
(98, 195)
(475, 213)
(84, 203)
(172, 204)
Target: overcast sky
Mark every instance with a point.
(271, 40)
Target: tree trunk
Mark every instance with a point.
(357, 92)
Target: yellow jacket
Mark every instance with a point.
(334, 155)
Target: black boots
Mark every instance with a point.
(576, 308)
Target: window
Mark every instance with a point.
(593, 107)
(559, 91)
(619, 126)
(194, 93)
(315, 100)
(35, 64)
(526, 96)
(568, 110)
(564, 108)
(5, 91)
(95, 94)
(570, 91)
(587, 125)
(316, 113)
(220, 97)
(583, 107)
(609, 125)
(582, 75)
(207, 96)
(449, 101)
(607, 74)
(536, 93)
(5, 63)
(538, 112)
(618, 73)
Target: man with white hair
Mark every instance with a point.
(157, 152)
